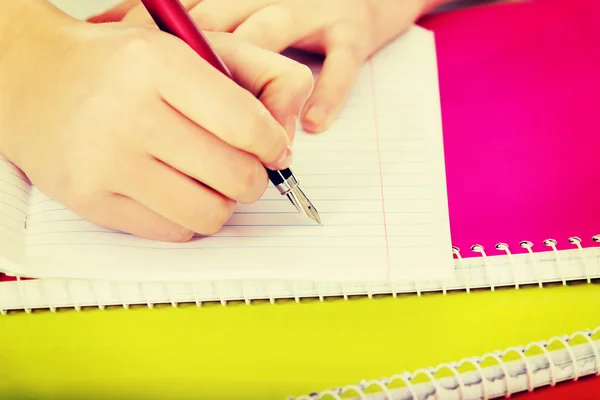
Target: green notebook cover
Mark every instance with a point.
(271, 351)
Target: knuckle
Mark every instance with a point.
(199, 16)
(138, 43)
(347, 36)
(81, 198)
(258, 124)
(179, 234)
(265, 27)
(358, 49)
(278, 149)
(205, 20)
(253, 181)
(136, 55)
(354, 46)
(301, 77)
(264, 137)
(216, 215)
(256, 32)
(226, 44)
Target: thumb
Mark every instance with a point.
(336, 79)
(114, 14)
(286, 96)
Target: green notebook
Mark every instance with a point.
(271, 351)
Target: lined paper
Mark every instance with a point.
(14, 194)
(376, 176)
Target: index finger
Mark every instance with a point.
(231, 110)
(282, 84)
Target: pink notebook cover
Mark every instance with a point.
(519, 87)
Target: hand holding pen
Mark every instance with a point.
(131, 130)
(172, 17)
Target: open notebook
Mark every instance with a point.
(377, 178)
(520, 145)
(490, 376)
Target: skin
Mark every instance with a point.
(346, 32)
(130, 129)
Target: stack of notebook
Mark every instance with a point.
(504, 195)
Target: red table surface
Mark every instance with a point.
(584, 389)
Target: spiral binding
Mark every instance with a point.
(297, 291)
(433, 388)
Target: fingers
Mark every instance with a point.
(193, 151)
(121, 213)
(283, 85)
(218, 104)
(280, 25)
(336, 79)
(225, 15)
(178, 198)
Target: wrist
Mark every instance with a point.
(392, 17)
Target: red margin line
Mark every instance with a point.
(387, 246)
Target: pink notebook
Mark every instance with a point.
(519, 87)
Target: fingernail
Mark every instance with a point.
(285, 160)
(315, 115)
(290, 128)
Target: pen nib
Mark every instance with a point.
(303, 204)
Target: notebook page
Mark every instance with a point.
(376, 177)
(14, 194)
(409, 131)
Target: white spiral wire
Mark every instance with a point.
(384, 385)
(319, 290)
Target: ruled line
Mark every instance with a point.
(191, 248)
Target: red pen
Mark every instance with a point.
(172, 17)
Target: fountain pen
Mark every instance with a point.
(172, 17)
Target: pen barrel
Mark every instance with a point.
(171, 17)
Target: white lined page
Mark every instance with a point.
(376, 176)
(14, 194)
(412, 119)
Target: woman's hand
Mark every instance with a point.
(347, 32)
(132, 130)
